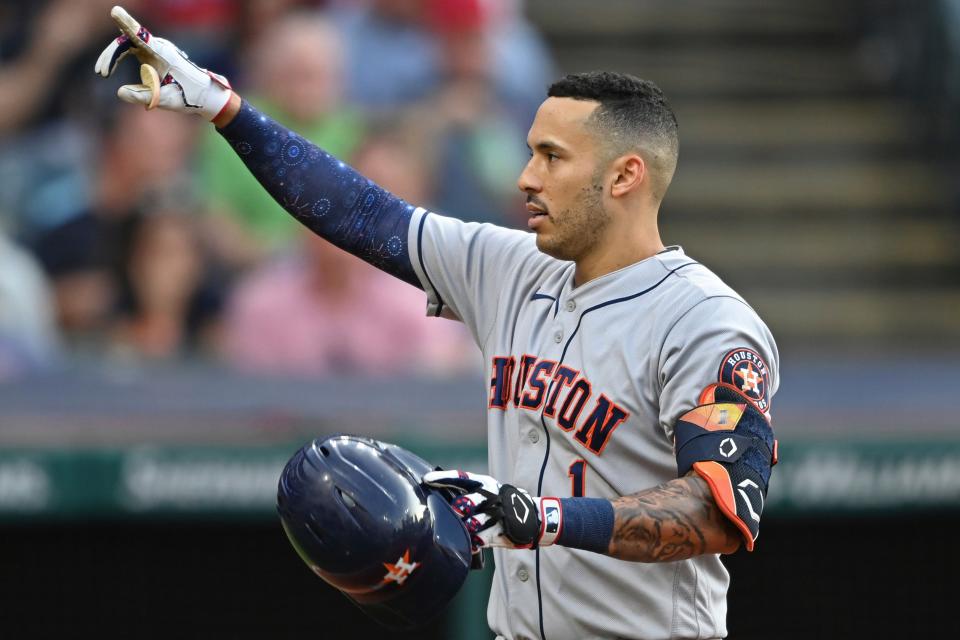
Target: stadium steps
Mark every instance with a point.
(912, 251)
(805, 123)
(704, 18)
(802, 180)
(861, 316)
(785, 184)
(696, 71)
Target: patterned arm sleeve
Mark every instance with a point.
(325, 194)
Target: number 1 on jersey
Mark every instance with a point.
(577, 473)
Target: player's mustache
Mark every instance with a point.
(532, 199)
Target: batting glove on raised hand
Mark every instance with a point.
(500, 515)
(183, 86)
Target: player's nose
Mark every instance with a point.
(529, 181)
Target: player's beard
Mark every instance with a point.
(578, 229)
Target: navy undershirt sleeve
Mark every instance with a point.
(325, 194)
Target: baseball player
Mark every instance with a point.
(629, 387)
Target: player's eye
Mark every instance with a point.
(552, 157)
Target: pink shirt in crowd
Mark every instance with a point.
(278, 323)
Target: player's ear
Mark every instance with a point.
(629, 172)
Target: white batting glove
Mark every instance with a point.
(183, 86)
(500, 515)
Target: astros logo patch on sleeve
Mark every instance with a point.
(744, 369)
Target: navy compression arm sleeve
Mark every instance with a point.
(323, 193)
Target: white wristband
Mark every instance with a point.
(551, 520)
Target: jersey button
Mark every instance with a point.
(571, 305)
(523, 574)
(534, 437)
(558, 337)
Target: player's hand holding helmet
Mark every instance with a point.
(179, 84)
(500, 515)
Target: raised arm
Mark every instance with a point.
(320, 191)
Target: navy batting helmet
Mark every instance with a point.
(356, 513)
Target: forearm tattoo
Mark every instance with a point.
(673, 521)
(325, 194)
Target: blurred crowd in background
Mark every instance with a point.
(139, 235)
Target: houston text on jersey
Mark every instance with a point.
(528, 386)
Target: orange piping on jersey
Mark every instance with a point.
(722, 489)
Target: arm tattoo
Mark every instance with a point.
(673, 521)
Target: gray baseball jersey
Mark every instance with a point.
(585, 386)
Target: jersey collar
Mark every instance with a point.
(636, 276)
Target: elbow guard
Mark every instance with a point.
(729, 443)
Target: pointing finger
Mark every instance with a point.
(130, 27)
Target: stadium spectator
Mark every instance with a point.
(478, 146)
(325, 311)
(32, 72)
(208, 29)
(521, 63)
(296, 74)
(258, 15)
(168, 309)
(28, 335)
(390, 57)
(46, 98)
(394, 58)
(142, 155)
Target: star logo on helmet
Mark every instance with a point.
(400, 570)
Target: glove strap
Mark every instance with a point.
(519, 517)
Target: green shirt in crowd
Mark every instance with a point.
(230, 186)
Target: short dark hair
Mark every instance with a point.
(633, 114)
